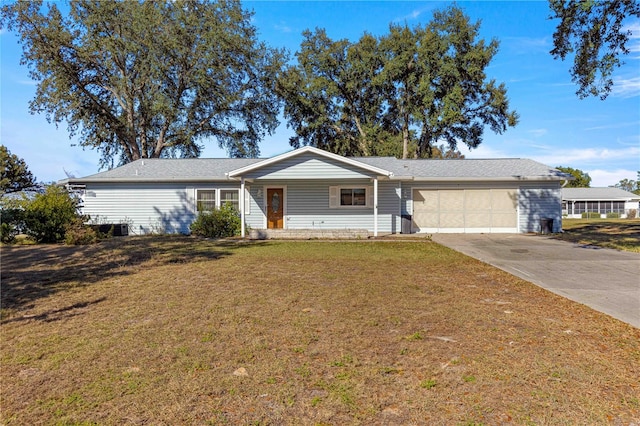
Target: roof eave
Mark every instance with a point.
(488, 179)
(136, 179)
(600, 199)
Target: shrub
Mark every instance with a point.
(613, 215)
(631, 213)
(218, 223)
(11, 221)
(49, 213)
(591, 215)
(8, 233)
(77, 233)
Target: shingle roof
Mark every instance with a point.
(608, 193)
(502, 168)
(216, 169)
(170, 169)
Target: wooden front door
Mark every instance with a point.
(275, 208)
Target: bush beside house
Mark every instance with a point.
(218, 223)
(50, 216)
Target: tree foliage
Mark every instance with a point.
(630, 185)
(414, 88)
(14, 174)
(593, 30)
(147, 79)
(581, 179)
(332, 98)
(48, 214)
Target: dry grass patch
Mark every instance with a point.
(188, 331)
(619, 234)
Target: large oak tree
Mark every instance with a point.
(594, 31)
(148, 79)
(332, 98)
(413, 87)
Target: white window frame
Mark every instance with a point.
(215, 198)
(335, 196)
(220, 201)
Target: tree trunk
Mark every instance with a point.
(405, 138)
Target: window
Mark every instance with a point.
(205, 199)
(353, 196)
(230, 196)
(579, 207)
(592, 206)
(346, 197)
(618, 207)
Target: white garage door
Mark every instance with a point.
(465, 210)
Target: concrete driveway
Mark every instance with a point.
(604, 279)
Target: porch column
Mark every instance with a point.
(242, 219)
(375, 206)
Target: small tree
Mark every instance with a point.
(582, 179)
(49, 213)
(628, 185)
(11, 219)
(14, 174)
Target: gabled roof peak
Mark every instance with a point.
(309, 149)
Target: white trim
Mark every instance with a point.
(465, 230)
(375, 207)
(219, 196)
(247, 198)
(465, 179)
(319, 152)
(284, 204)
(216, 195)
(242, 206)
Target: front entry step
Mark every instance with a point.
(307, 234)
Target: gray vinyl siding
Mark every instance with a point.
(308, 166)
(254, 217)
(542, 201)
(146, 208)
(307, 206)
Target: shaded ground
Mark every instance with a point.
(189, 331)
(620, 234)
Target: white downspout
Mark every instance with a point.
(242, 218)
(375, 206)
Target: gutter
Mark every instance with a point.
(142, 180)
(479, 179)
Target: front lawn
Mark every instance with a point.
(620, 234)
(179, 330)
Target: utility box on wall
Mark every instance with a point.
(546, 226)
(119, 229)
(406, 224)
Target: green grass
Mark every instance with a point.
(152, 330)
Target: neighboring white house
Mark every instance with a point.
(311, 189)
(604, 201)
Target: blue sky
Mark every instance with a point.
(556, 128)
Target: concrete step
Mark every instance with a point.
(307, 234)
